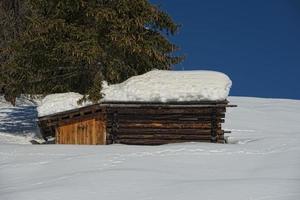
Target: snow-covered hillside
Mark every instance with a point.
(261, 162)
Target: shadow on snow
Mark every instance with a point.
(19, 120)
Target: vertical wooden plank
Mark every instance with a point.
(100, 131)
(67, 134)
(84, 132)
(103, 120)
(81, 132)
(61, 133)
(73, 136)
(86, 127)
(57, 136)
(94, 134)
(68, 130)
(78, 133)
(104, 132)
(101, 134)
(74, 128)
(86, 141)
(93, 131)
(87, 137)
(89, 131)
(64, 135)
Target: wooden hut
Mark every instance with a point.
(139, 123)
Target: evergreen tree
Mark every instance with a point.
(72, 45)
(12, 14)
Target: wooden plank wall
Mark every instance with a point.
(88, 131)
(162, 125)
(49, 124)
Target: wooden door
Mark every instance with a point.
(89, 131)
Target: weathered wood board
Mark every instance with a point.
(89, 131)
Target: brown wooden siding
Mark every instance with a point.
(138, 123)
(162, 125)
(88, 131)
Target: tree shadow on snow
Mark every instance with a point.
(19, 120)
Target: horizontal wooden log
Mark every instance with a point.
(113, 107)
(167, 131)
(189, 117)
(156, 111)
(134, 119)
(163, 121)
(166, 136)
(206, 125)
(154, 142)
(128, 121)
(139, 103)
(166, 124)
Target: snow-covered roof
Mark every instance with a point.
(166, 86)
(153, 86)
(55, 103)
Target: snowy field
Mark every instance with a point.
(262, 161)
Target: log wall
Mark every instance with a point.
(161, 125)
(139, 123)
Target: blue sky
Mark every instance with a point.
(255, 42)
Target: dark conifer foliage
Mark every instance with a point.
(73, 45)
(12, 14)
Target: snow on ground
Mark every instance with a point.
(261, 162)
(153, 86)
(18, 124)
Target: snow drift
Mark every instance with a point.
(154, 86)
